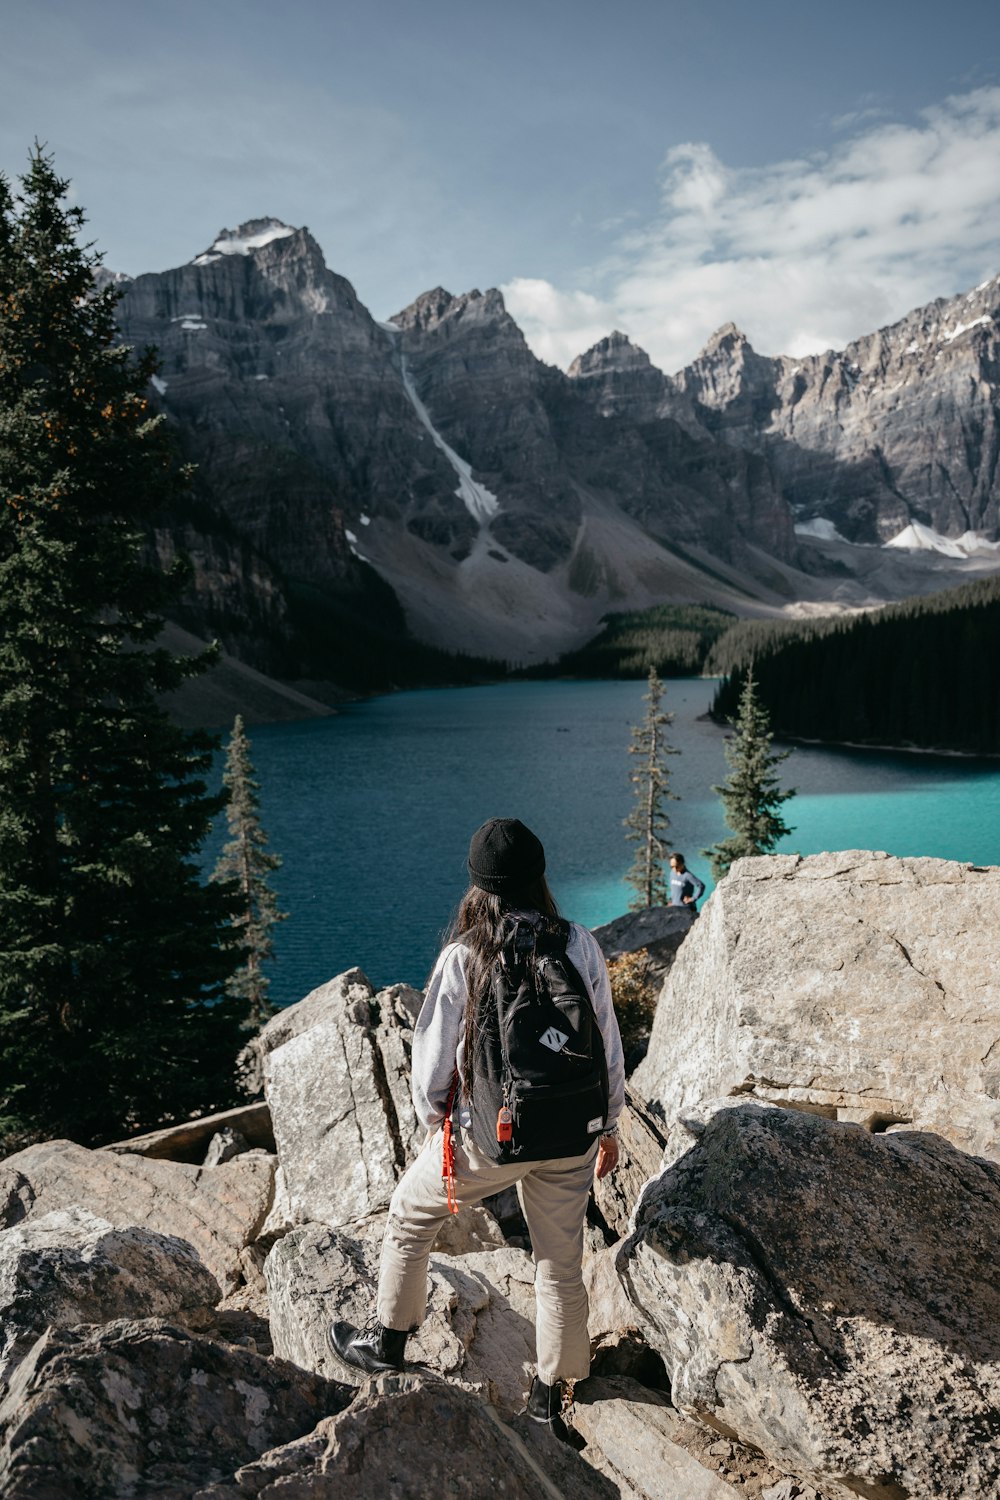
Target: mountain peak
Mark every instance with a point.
(727, 338)
(427, 310)
(433, 307)
(253, 235)
(612, 354)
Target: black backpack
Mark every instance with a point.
(539, 1073)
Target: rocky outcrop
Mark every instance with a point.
(856, 985)
(69, 1267)
(631, 1436)
(413, 1435)
(641, 1145)
(144, 1408)
(900, 426)
(641, 1142)
(762, 1280)
(217, 1211)
(277, 376)
(552, 448)
(620, 380)
(190, 1140)
(233, 591)
(805, 1285)
(716, 496)
(336, 1076)
(660, 930)
(479, 1328)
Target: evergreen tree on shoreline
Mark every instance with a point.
(245, 862)
(751, 795)
(648, 822)
(113, 957)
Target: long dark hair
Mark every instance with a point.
(479, 927)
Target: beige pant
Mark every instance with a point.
(553, 1197)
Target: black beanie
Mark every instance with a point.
(504, 857)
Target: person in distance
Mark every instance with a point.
(685, 888)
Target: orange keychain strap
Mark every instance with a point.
(448, 1150)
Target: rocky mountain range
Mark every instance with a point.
(430, 474)
(899, 427)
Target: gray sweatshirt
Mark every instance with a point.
(685, 884)
(439, 1036)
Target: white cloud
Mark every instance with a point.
(804, 254)
(555, 322)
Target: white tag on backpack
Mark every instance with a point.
(593, 1126)
(554, 1039)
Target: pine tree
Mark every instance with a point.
(113, 959)
(648, 822)
(246, 862)
(751, 796)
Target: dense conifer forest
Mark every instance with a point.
(923, 673)
(673, 640)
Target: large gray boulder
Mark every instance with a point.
(215, 1210)
(190, 1140)
(611, 1315)
(830, 1297)
(632, 1436)
(416, 1437)
(70, 1267)
(336, 1071)
(658, 929)
(145, 1409)
(641, 1142)
(859, 985)
(479, 1328)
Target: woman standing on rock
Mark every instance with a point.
(686, 890)
(519, 1078)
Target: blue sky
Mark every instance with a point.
(808, 171)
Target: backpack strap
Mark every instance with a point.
(520, 936)
(552, 937)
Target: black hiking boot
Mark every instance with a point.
(545, 1404)
(372, 1348)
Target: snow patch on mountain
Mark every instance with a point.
(974, 541)
(352, 542)
(819, 527)
(480, 502)
(159, 385)
(919, 538)
(960, 328)
(251, 236)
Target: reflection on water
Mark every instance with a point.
(372, 810)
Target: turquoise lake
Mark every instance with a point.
(372, 809)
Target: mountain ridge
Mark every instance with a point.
(506, 503)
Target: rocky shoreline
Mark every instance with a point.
(792, 1276)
